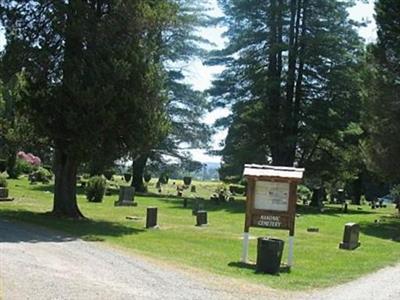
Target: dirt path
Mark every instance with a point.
(36, 263)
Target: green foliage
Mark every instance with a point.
(237, 189)
(95, 189)
(40, 175)
(382, 97)
(395, 192)
(291, 81)
(3, 181)
(303, 193)
(21, 167)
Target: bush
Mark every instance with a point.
(23, 167)
(41, 175)
(187, 180)
(304, 193)
(3, 182)
(237, 189)
(95, 189)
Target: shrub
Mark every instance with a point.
(237, 189)
(23, 167)
(187, 180)
(3, 182)
(304, 193)
(95, 189)
(40, 175)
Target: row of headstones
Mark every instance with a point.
(152, 216)
(127, 198)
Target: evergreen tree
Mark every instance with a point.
(178, 43)
(291, 63)
(93, 85)
(382, 120)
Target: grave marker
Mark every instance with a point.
(151, 218)
(126, 196)
(350, 237)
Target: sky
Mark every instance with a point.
(200, 76)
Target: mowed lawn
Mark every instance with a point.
(217, 247)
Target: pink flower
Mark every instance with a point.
(29, 158)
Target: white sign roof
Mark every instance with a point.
(272, 171)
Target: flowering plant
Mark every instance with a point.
(29, 158)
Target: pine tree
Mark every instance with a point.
(293, 62)
(382, 120)
(93, 84)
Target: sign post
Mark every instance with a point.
(271, 201)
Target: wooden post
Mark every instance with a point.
(249, 207)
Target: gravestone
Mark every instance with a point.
(201, 218)
(151, 218)
(4, 194)
(126, 196)
(340, 196)
(350, 237)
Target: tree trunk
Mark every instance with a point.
(137, 173)
(357, 190)
(11, 164)
(65, 202)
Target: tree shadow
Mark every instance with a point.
(69, 229)
(49, 188)
(336, 211)
(238, 206)
(387, 228)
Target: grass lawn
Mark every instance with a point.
(217, 247)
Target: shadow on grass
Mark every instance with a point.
(86, 229)
(387, 228)
(208, 205)
(252, 266)
(331, 210)
(50, 188)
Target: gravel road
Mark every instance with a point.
(36, 263)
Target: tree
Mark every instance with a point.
(291, 63)
(92, 86)
(382, 98)
(178, 43)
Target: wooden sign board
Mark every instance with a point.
(271, 200)
(270, 204)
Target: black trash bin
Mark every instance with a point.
(269, 255)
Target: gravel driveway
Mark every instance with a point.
(36, 263)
